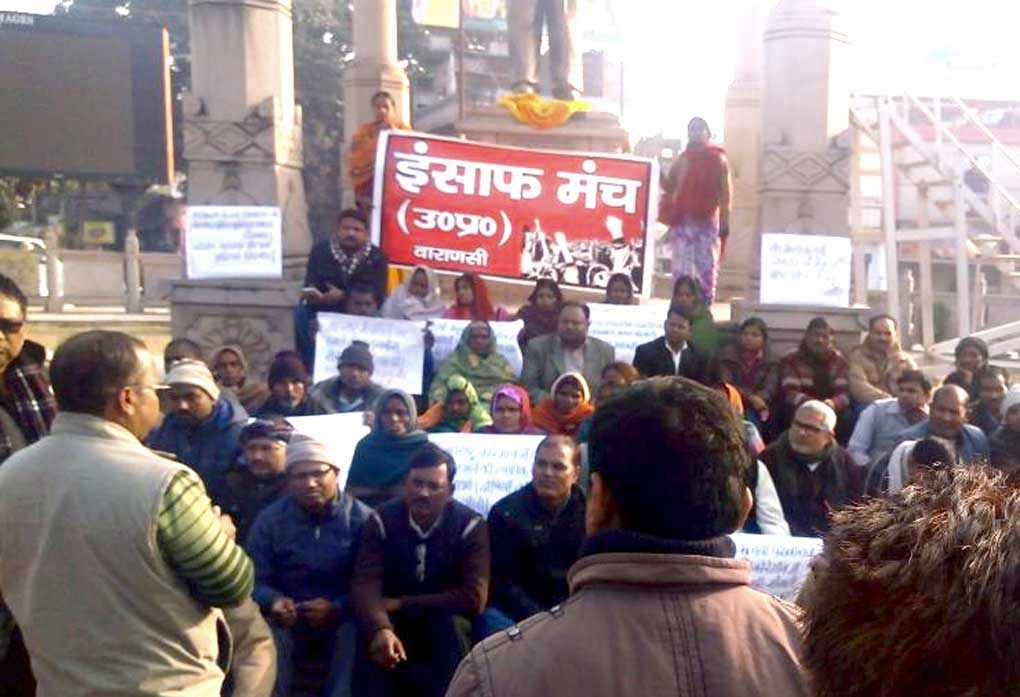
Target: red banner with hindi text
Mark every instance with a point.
(514, 213)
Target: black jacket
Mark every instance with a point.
(243, 496)
(653, 359)
(532, 551)
(807, 497)
(323, 268)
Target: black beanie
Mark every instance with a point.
(287, 364)
(357, 354)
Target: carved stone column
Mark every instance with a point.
(805, 168)
(242, 141)
(242, 129)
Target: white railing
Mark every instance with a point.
(1001, 210)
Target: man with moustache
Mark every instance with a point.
(422, 575)
(112, 559)
(570, 349)
(812, 473)
(259, 477)
(304, 547)
(336, 264)
(203, 426)
(536, 534)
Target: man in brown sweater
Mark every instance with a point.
(422, 573)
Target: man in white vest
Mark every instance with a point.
(112, 559)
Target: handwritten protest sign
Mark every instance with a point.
(339, 432)
(488, 466)
(805, 270)
(234, 242)
(626, 326)
(779, 565)
(397, 346)
(448, 331)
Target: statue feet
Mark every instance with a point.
(524, 87)
(566, 93)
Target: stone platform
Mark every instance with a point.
(598, 130)
(49, 329)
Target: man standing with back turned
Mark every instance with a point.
(111, 557)
(658, 605)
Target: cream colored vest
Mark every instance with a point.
(102, 613)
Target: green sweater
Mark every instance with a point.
(194, 544)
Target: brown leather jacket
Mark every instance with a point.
(639, 624)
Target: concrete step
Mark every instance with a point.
(152, 327)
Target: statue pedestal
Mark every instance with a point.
(257, 315)
(787, 323)
(597, 131)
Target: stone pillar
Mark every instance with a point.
(374, 69)
(242, 129)
(742, 126)
(806, 148)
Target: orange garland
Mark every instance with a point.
(535, 110)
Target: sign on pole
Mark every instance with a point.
(805, 270)
(234, 242)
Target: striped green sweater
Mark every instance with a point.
(194, 544)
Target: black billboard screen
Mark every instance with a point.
(82, 99)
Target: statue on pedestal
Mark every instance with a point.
(526, 20)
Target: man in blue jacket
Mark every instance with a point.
(203, 427)
(304, 547)
(948, 421)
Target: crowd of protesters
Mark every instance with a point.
(152, 515)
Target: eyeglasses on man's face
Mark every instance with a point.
(11, 327)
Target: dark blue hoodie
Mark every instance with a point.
(209, 448)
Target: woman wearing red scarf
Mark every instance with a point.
(696, 206)
(472, 301)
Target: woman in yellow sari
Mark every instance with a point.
(362, 154)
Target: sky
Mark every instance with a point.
(680, 56)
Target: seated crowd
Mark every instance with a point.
(383, 582)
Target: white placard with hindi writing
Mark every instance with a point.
(340, 433)
(627, 326)
(805, 270)
(488, 466)
(397, 346)
(447, 333)
(234, 242)
(779, 564)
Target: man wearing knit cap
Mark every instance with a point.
(259, 477)
(288, 387)
(202, 427)
(352, 389)
(304, 547)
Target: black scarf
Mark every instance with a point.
(612, 541)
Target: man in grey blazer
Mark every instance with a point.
(569, 349)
